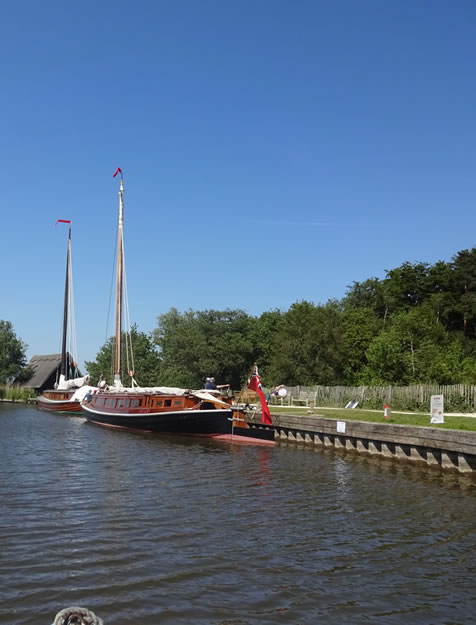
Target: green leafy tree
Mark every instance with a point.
(468, 371)
(408, 285)
(307, 347)
(180, 344)
(464, 264)
(417, 324)
(147, 361)
(444, 297)
(360, 327)
(368, 294)
(12, 356)
(197, 344)
(386, 364)
(379, 296)
(263, 331)
(424, 310)
(412, 349)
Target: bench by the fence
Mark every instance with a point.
(304, 398)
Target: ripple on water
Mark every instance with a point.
(156, 529)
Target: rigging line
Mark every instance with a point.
(113, 340)
(111, 368)
(127, 320)
(112, 282)
(127, 345)
(60, 348)
(129, 328)
(111, 359)
(72, 317)
(125, 305)
(59, 352)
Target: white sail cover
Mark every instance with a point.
(205, 396)
(164, 390)
(66, 385)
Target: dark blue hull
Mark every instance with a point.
(206, 422)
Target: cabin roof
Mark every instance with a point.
(43, 367)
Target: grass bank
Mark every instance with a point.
(417, 419)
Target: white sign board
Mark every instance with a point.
(437, 415)
(341, 427)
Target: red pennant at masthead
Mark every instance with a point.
(63, 221)
(118, 171)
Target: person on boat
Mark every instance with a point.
(102, 383)
(211, 385)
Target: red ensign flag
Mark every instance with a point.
(254, 384)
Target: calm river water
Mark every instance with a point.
(151, 530)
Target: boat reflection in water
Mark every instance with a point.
(164, 409)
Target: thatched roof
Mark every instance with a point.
(43, 368)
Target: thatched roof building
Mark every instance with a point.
(46, 371)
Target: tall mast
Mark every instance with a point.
(64, 366)
(119, 272)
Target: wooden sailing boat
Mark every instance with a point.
(69, 389)
(163, 409)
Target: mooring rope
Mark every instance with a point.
(77, 616)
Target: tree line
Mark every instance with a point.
(416, 325)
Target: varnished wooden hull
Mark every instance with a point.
(59, 401)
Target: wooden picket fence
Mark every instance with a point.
(457, 397)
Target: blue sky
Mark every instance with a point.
(273, 151)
